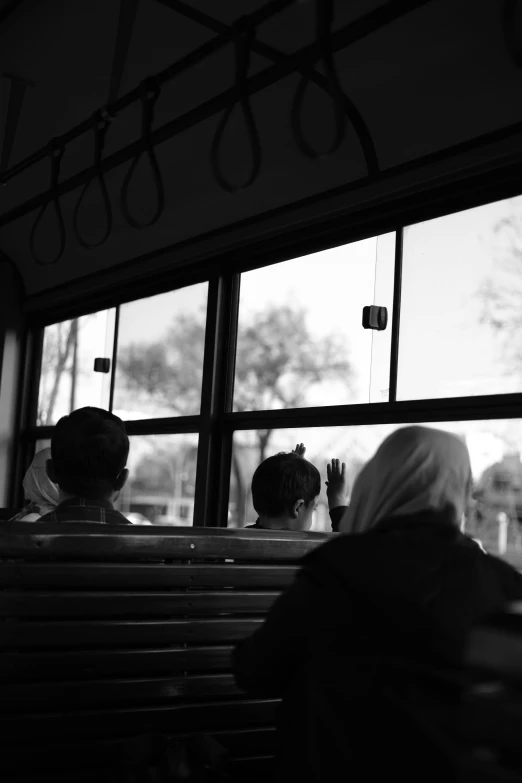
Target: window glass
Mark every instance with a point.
(461, 304)
(67, 378)
(300, 336)
(160, 355)
(495, 449)
(162, 477)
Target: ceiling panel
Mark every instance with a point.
(439, 76)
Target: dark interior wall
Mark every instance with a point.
(11, 345)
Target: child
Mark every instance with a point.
(89, 450)
(285, 491)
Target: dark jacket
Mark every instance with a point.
(336, 514)
(84, 510)
(408, 591)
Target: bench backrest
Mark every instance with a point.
(7, 513)
(110, 634)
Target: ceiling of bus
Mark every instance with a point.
(440, 75)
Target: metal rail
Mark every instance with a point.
(301, 60)
(134, 95)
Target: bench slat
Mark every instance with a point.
(44, 666)
(51, 756)
(106, 542)
(258, 769)
(100, 604)
(206, 717)
(140, 575)
(42, 697)
(45, 635)
(73, 775)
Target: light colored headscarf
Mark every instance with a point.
(415, 469)
(39, 490)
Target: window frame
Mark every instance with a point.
(216, 422)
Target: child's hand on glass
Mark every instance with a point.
(299, 450)
(337, 484)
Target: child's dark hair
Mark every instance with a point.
(89, 449)
(281, 480)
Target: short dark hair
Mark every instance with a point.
(281, 480)
(89, 449)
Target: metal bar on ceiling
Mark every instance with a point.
(135, 95)
(276, 56)
(300, 60)
(126, 21)
(12, 93)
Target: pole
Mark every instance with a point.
(74, 367)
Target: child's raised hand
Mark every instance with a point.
(299, 450)
(337, 484)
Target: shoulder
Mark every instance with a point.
(508, 576)
(117, 518)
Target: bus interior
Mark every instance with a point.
(247, 224)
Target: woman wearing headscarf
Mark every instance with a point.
(40, 494)
(366, 641)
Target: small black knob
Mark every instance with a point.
(374, 317)
(102, 365)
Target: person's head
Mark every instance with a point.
(284, 492)
(38, 487)
(89, 450)
(415, 469)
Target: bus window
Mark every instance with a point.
(460, 327)
(162, 477)
(161, 342)
(67, 377)
(300, 336)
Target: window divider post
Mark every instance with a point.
(215, 439)
(114, 356)
(396, 314)
(27, 412)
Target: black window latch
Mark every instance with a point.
(374, 317)
(102, 365)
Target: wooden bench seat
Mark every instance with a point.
(107, 636)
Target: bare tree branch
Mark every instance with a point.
(278, 361)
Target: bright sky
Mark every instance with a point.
(444, 350)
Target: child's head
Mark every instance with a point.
(89, 450)
(284, 491)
